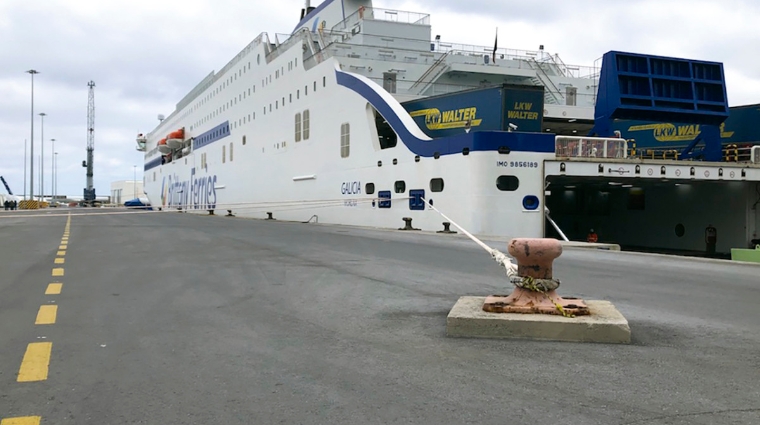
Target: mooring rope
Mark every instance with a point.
(536, 285)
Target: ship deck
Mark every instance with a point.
(180, 318)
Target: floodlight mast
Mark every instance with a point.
(89, 191)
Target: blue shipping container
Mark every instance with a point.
(740, 127)
(487, 109)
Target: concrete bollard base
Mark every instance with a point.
(604, 324)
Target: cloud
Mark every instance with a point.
(144, 56)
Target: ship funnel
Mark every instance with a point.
(307, 8)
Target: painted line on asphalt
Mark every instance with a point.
(58, 271)
(46, 315)
(61, 253)
(54, 289)
(62, 247)
(26, 420)
(60, 260)
(34, 367)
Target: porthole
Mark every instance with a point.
(436, 185)
(530, 202)
(369, 188)
(680, 230)
(399, 186)
(258, 59)
(507, 183)
(244, 140)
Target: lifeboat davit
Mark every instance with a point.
(175, 138)
(162, 147)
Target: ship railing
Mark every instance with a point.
(288, 40)
(378, 14)
(590, 147)
(742, 152)
(748, 152)
(572, 71)
(546, 81)
(520, 59)
(372, 41)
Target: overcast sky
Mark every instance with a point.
(145, 55)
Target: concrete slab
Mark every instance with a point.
(605, 324)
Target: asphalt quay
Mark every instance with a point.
(180, 318)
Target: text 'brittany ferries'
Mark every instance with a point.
(195, 193)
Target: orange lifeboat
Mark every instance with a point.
(179, 134)
(175, 138)
(162, 147)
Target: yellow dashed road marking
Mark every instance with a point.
(26, 420)
(58, 272)
(46, 315)
(34, 367)
(60, 260)
(61, 253)
(54, 289)
(62, 247)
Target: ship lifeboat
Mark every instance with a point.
(175, 138)
(162, 147)
(142, 141)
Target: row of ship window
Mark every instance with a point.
(244, 69)
(252, 116)
(503, 183)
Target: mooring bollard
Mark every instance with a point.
(535, 257)
(446, 229)
(535, 285)
(269, 216)
(229, 214)
(407, 224)
(210, 212)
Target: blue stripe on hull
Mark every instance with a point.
(219, 132)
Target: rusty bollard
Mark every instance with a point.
(535, 257)
(535, 285)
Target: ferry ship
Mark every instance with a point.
(348, 119)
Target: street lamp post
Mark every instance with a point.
(42, 156)
(52, 165)
(31, 154)
(26, 142)
(55, 175)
